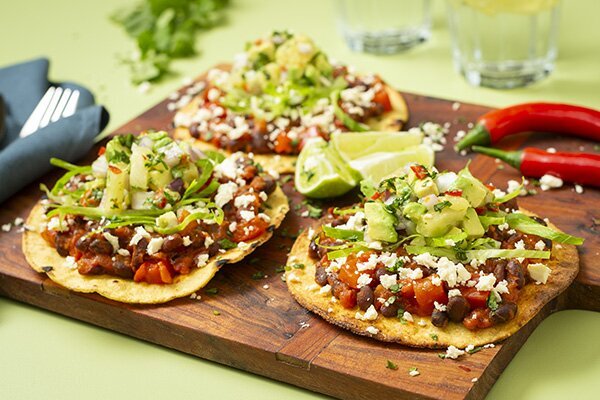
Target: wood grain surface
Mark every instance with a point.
(262, 330)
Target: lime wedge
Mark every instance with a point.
(353, 145)
(321, 172)
(378, 166)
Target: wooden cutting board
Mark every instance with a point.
(261, 329)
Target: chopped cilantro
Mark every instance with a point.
(227, 244)
(434, 336)
(391, 365)
(441, 205)
(396, 267)
(442, 355)
(280, 269)
(258, 275)
(211, 291)
(395, 288)
(297, 266)
(492, 302)
(286, 178)
(215, 312)
(475, 349)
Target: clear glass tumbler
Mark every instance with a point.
(503, 44)
(384, 26)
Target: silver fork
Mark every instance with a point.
(56, 103)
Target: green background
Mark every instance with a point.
(43, 355)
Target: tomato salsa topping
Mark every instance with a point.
(280, 92)
(150, 208)
(417, 246)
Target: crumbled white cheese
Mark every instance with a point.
(187, 241)
(539, 272)
(439, 307)
(18, 221)
(363, 280)
(70, 262)
(225, 193)
(372, 330)
(112, 239)
(578, 189)
(414, 372)
(140, 233)
(520, 245)
(208, 241)
(247, 215)
(550, 181)
(540, 245)
(408, 317)
(369, 315)
(436, 280)
(54, 225)
(388, 281)
(265, 286)
(325, 290)
(485, 282)
(503, 226)
(454, 352)
(292, 277)
(448, 271)
(6, 227)
(155, 245)
(123, 252)
(454, 293)
(202, 260)
(243, 245)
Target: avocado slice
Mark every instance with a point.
(438, 223)
(472, 189)
(425, 187)
(471, 224)
(380, 223)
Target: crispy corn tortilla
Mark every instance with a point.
(564, 263)
(41, 256)
(391, 121)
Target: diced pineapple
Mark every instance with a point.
(116, 194)
(138, 177)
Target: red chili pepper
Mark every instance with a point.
(420, 171)
(456, 192)
(540, 117)
(580, 168)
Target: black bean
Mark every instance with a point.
(61, 242)
(365, 297)
(260, 145)
(547, 242)
(379, 272)
(337, 222)
(426, 271)
(515, 271)
(83, 243)
(499, 270)
(269, 184)
(439, 318)
(321, 275)
(101, 246)
(313, 249)
(457, 308)
(121, 267)
(504, 313)
(511, 204)
(177, 185)
(390, 310)
(172, 242)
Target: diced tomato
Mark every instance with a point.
(408, 290)
(349, 275)
(348, 298)
(480, 210)
(478, 319)
(375, 196)
(420, 171)
(153, 272)
(260, 125)
(283, 144)
(383, 99)
(101, 151)
(490, 186)
(427, 294)
(456, 193)
(259, 226)
(476, 298)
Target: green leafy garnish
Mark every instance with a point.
(258, 275)
(525, 224)
(391, 365)
(441, 205)
(344, 234)
(164, 30)
(227, 244)
(492, 302)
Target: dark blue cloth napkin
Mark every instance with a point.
(23, 160)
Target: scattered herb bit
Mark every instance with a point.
(395, 288)
(297, 266)
(475, 350)
(492, 302)
(215, 312)
(400, 314)
(396, 267)
(227, 244)
(258, 275)
(434, 337)
(165, 30)
(280, 269)
(390, 300)
(441, 205)
(391, 365)
(460, 120)
(442, 355)
(211, 291)
(535, 182)
(286, 178)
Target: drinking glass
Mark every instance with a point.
(384, 26)
(503, 43)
